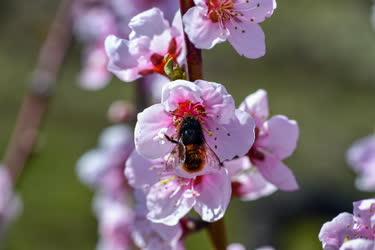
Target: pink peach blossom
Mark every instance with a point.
(150, 42)
(10, 203)
(361, 156)
(351, 232)
(115, 225)
(213, 21)
(275, 140)
(170, 197)
(223, 126)
(102, 168)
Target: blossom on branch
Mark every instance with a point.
(275, 140)
(197, 125)
(214, 21)
(152, 44)
(351, 231)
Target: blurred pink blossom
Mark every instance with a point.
(351, 232)
(150, 42)
(102, 168)
(213, 21)
(154, 236)
(361, 156)
(10, 203)
(115, 224)
(212, 107)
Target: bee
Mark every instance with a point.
(191, 152)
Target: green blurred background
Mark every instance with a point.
(319, 70)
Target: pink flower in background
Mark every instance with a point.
(102, 168)
(170, 197)
(115, 224)
(351, 232)
(214, 21)
(154, 236)
(197, 124)
(10, 203)
(361, 156)
(237, 246)
(275, 140)
(94, 75)
(150, 43)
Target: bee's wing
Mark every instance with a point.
(211, 158)
(176, 157)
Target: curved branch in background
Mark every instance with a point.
(41, 88)
(215, 230)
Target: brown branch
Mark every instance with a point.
(35, 103)
(194, 55)
(215, 230)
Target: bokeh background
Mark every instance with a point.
(319, 70)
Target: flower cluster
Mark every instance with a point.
(193, 149)
(351, 231)
(94, 20)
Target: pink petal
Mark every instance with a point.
(333, 233)
(251, 185)
(179, 91)
(247, 39)
(358, 244)
(256, 105)
(255, 11)
(202, 32)
(153, 123)
(233, 139)
(236, 166)
(168, 201)
(122, 62)
(140, 172)
(214, 195)
(91, 167)
(282, 136)
(148, 23)
(94, 75)
(276, 172)
(219, 104)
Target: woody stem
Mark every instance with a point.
(41, 88)
(216, 230)
(194, 55)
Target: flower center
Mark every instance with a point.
(221, 10)
(159, 61)
(188, 108)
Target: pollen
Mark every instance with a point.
(221, 10)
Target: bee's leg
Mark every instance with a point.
(171, 139)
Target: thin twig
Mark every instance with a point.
(41, 88)
(215, 230)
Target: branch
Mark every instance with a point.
(35, 103)
(194, 55)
